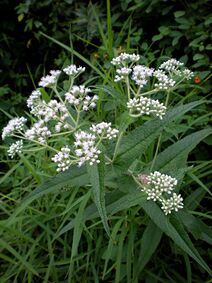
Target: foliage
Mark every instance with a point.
(94, 223)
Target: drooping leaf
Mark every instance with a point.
(175, 231)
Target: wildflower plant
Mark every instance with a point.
(120, 158)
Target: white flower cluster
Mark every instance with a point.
(174, 67)
(164, 82)
(187, 74)
(78, 96)
(122, 73)
(160, 187)
(50, 80)
(171, 65)
(34, 99)
(62, 159)
(15, 148)
(124, 59)
(73, 70)
(146, 106)
(175, 202)
(14, 125)
(39, 131)
(104, 129)
(141, 74)
(51, 111)
(86, 149)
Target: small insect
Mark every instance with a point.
(197, 80)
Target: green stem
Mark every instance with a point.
(128, 87)
(36, 142)
(63, 103)
(117, 145)
(156, 152)
(160, 136)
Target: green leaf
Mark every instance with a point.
(27, 265)
(138, 140)
(157, 37)
(175, 231)
(149, 243)
(175, 156)
(195, 226)
(115, 202)
(198, 56)
(96, 175)
(75, 177)
(164, 30)
(179, 14)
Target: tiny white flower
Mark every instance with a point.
(124, 59)
(34, 99)
(39, 131)
(164, 82)
(15, 148)
(50, 80)
(86, 149)
(62, 159)
(141, 74)
(105, 130)
(160, 187)
(146, 106)
(175, 202)
(73, 70)
(14, 125)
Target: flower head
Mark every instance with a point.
(78, 96)
(104, 129)
(15, 148)
(73, 70)
(86, 149)
(14, 125)
(34, 99)
(141, 74)
(39, 131)
(164, 82)
(159, 187)
(175, 202)
(62, 159)
(124, 59)
(50, 80)
(146, 106)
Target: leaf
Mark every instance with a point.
(115, 202)
(149, 243)
(175, 156)
(75, 177)
(96, 175)
(78, 228)
(195, 226)
(178, 14)
(175, 231)
(137, 141)
(26, 264)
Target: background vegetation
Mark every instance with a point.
(45, 242)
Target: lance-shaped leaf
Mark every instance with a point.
(138, 140)
(96, 175)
